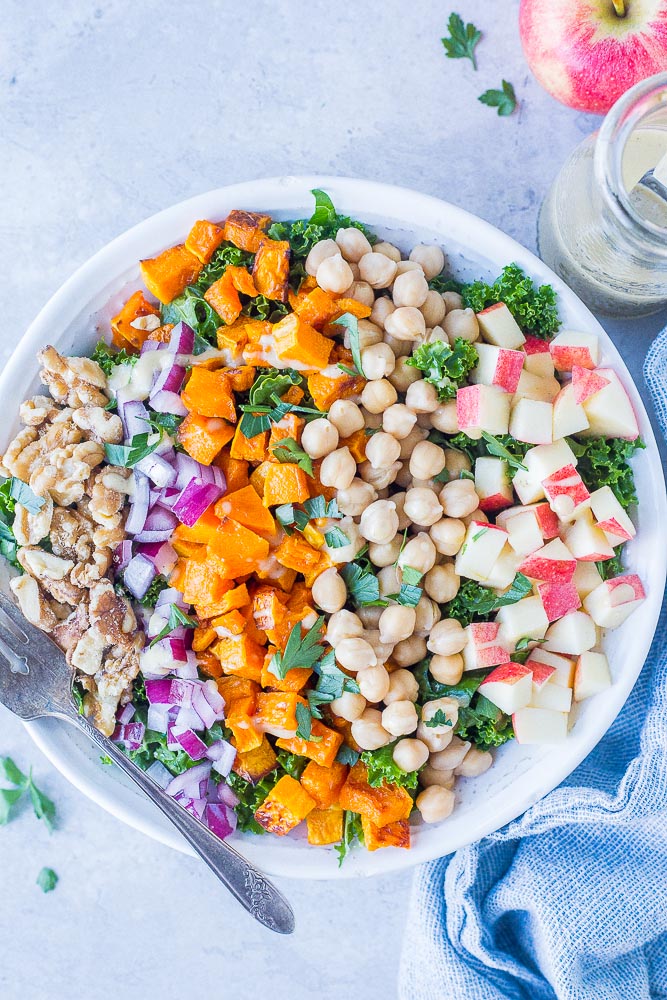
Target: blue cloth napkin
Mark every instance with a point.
(570, 900)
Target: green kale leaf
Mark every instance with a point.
(382, 769)
(474, 602)
(605, 462)
(445, 367)
(534, 309)
(108, 359)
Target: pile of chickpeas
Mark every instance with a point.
(394, 489)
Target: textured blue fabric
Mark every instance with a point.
(570, 900)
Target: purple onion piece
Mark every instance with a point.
(139, 502)
(194, 747)
(158, 470)
(219, 819)
(138, 576)
(122, 555)
(164, 401)
(223, 755)
(188, 782)
(125, 714)
(151, 345)
(182, 339)
(196, 498)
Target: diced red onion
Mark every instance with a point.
(170, 692)
(195, 499)
(150, 549)
(139, 502)
(164, 401)
(170, 596)
(154, 536)
(130, 736)
(170, 379)
(213, 696)
(188, 718)
(167, 497)
(181, 339)
(125, 714)
(227, 795)
(203, 707)
(158, 470)
(173, 647)
(150, 345)
(219, 477)
(223, 755)
(194, 747)
(159, 773)
(134, 417)
(157, 717)
(196, 806)
(188, 782)
(187, 671)
(138, 575)
(219, 819)
(186, 469)
(165, 559)
(122, 555)
(165, 449)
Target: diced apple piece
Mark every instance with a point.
(481, 548)
(509, 686)
(482, 649)
(573, 634)
(558, 699)
(553, 563)
(569, 416)
(610, 412)
(586, 383)
(547, 520)
(493, 484)
(572, 348)
(523, 532)
(499, 327)
(536, 387)
(531, 421)
(586, 541)
(503, 570)
(543, 461)
(611, 517)
(542, 674)
(614, 600)
(539, 726)
(483, 408)
(527, 487)
(586, 578)
(562, 666)
(591, 675)
(525, 619)
(538, 358)
(497, 366)
(565, 490)
(558, 599)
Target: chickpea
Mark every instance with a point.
(408, 443)
(456, 462)
(334, 274)
(355, 498)
(448, 535)
(369, 334)
(422, 397)
(451, 756)
(329, 591)
(379, 522)
(382, 450)
(430, 258)
(400, 718)
(385, 554)
(447, 637)
(409, 651)
(436, 333)
(461, 323)
(437, 738)
(369, 733)
(397, 622)
(355, 272)
(380, 479)
(428, 613)
(338, 469)
(398, 420)
(404, 375)
(442, 583)
(400, 348)
(430, 776)
(377, 269)
(404, 479)
(449, 707)
(410, 755)
(419, 553)
(459, 498)
(319, 438)
(403, 686)
(427, 460)
(447, 669)
(444, 418)
(319, 252)
(389, 250)
(476, 515)
(422, 506)
(353, 244)
(474, 763)
(349, 706)
(343, 625)
(402, 266)
(406, 323)
(360, 291)
(435, 804)
(410, 287)
(433, 310)
(389, 582)
(370, 617)
(355, 654)
(378, 395)
(373, 683)
(383, 650)
(424, 421)
(346, 417)
(378, 361)
(381, 309)
(452, 300)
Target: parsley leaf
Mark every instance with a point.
(504, 100)
(299, 652)
(476, 602)
(496, 446)
(346, 755)
(336, 539)
(445, 367)
(382, 769)
(362, 585)
(462, 39)
(319, 506)
(352, 831)
(176, 618)
(127, 455)
(288, 450)
(324, 208)
(107, 359)
(47, 880)
(149, 600)
(264, 405)
(21, 493)
(351, 324)
(439, 719)
(43, 807)
(534, 309)
(304, 724)
(169, 422)
(605, 462)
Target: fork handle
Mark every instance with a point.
(252, 889)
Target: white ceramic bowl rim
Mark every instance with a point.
(406, 216)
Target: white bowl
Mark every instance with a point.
(72, 321)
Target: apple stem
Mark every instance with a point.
(619, 7)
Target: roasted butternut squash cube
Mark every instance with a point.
(124, 334)
(284, 807)
(240, 655)
(322, 749)
(231, 623)
(326, 390)
(252, 449)
(253, 765)
(346, 305)
(241, 377)
(294, 680)
(271, 269)
(204, 437)
(237, 689)
(316, 307)
(325, 826)
(324, 783)
(382, 805)
(245, 507)
(276, 712)
(202, 584)
(210, 394)
(246, 229)
(202, 638)
(208, 663)
(285, 483)
(233, 337)
(204, 239)
(297, 341)
(395, 834)
(238, 597)
(236, 549)
(357, 444)
(202, 531)
(168, 274)
(296, 553)
(289, 427)
(235, 470)
(246, 736)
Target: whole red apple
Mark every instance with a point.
(587, 53)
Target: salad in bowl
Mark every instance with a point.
(319, 527)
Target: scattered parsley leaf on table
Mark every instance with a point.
(462, 40)
(504, 100)
(47, 880)
(24, 785)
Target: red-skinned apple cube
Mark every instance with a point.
(538, 358)
(542, 674)
(572, 348)
(553, 563)
(591, 675)
(483, 408)
(558, 699)
(499, 327)
(542, 461)
(503, 570)
(610, 412)
(547, 521)
(565, 490)
(611, 517)
(569, 416)
(509, 686)
(585, 383)
(586, 578)
(562, 666)
(558, 599)
(610, 604)
(586, 541)
(524, 620)
(481, 548)
(539, 726)
(541, 388)
(481, 649)
(497, 366)
(493, 484)
(571, 635)
(524, 533)
(531, 421)
(527, 487)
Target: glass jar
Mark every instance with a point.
(599, 229)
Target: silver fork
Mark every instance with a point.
(39, 683)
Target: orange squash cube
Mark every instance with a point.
(297, 341)
(209, 664)
(276, 711)
(235, 470)
(202, 531)
(204, 239)
(168, 274)
(253, 765)
(324, 783)
(231, 623)
(285, 483)
(245, 507)
(246, 229)
(202, 585)
(325, 826)
(382, 805)
(204, 437)
(322, 749)
(294, 680)
(296, 553)
(124, 334)
(316, 307)
(235, 689)
(395, 834)
(240, 655)
(345, 305)
(357, 444)
(289, 427)
(271, 269)
(246, 736)
(209, 394)
(202, 638)
(252, 449)
(326, 390)
(236, 549)
(241, 377)
(284, 807)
